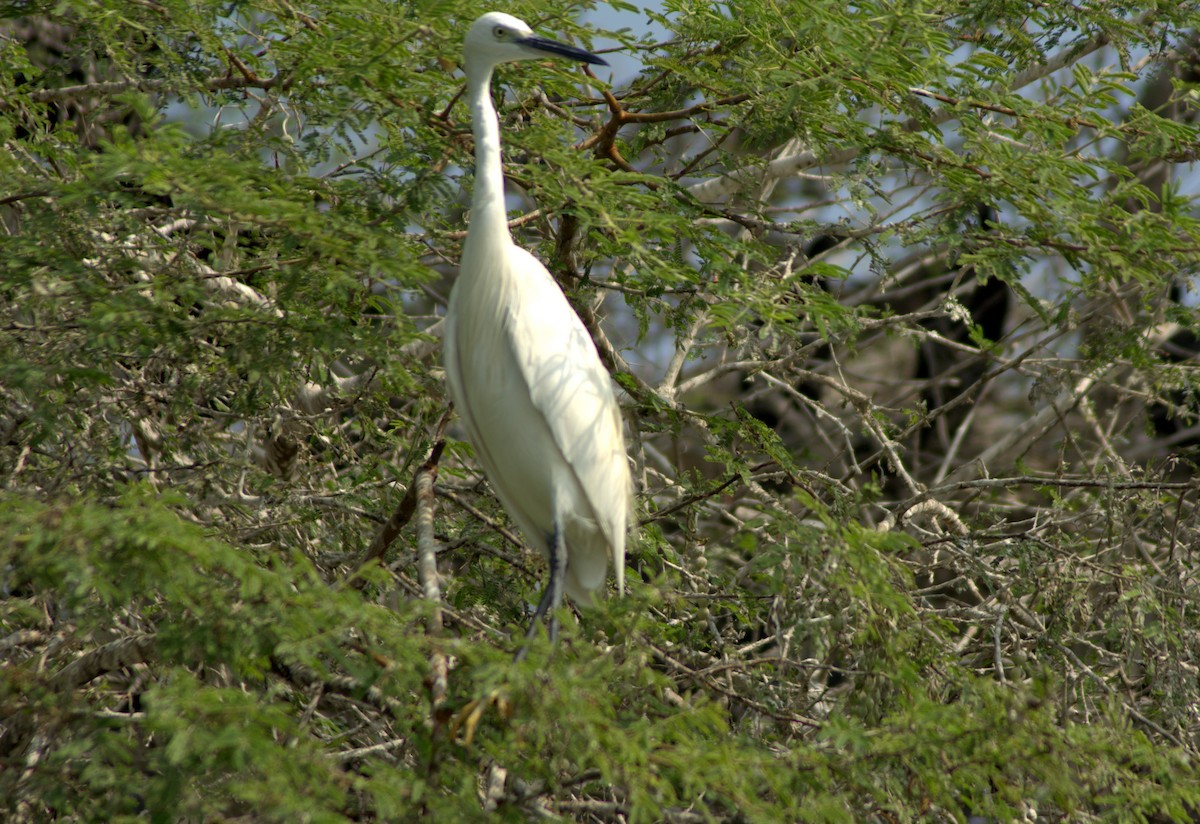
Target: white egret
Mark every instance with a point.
(536, 401)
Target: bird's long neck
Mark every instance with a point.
(489, 218)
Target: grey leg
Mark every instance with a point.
(552, 595)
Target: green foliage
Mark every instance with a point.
(899, 560)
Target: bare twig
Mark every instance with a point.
(407, 506)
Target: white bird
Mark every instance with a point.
(536, 401)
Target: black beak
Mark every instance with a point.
(562, 50)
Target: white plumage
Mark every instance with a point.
(524, 374)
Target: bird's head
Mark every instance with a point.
(497, 38)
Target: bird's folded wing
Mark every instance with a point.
(573, 391)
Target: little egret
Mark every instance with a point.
(537, 404)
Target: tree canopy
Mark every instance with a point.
(898, 297)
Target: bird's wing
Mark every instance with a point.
(539, 409)
(572, 390)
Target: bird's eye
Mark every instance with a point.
(500, 32)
